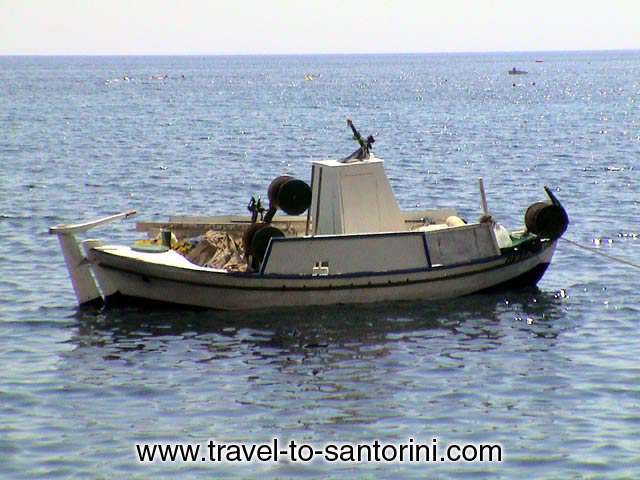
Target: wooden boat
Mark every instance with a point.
(353, 245)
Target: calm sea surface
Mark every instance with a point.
(552, 375)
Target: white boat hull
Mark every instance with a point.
(125, 278)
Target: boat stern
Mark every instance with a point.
(85, 285)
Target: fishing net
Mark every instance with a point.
(217, 249)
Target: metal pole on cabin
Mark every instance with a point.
(483, 198)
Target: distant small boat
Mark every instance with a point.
(539, 61)
(515, 71)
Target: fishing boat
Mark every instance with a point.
(341, 239)
(515, 71)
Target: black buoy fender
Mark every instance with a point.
(274, 189)
(260, 242)
(247, 237)
(289, 194)
(294, 197)
(547, 219)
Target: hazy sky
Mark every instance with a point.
(314, 26)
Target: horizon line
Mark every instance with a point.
(280, 54)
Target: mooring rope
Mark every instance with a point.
(598, 252)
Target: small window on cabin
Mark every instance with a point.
(320, 268)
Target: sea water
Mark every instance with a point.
(551, 375)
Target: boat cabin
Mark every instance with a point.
(353, 225)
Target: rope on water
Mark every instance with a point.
(598, 252)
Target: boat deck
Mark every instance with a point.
(186, 226)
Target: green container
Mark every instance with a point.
(165, 238)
